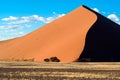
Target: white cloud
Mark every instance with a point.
(38, 18)
(21, 32)
(11, 27)
(19, 21)
(60, 15)
(10, 18)
(32, 18)
(2, 38)
(113, 17)
(50, 19)
(16, 26)
(46, 19)
(95, 9)
(12, 31)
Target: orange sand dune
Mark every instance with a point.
(64, 38)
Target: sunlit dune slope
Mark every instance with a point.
(64, 38)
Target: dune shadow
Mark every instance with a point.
(102, 41)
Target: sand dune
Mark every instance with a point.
(64, 38)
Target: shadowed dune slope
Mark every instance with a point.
(64, 38)
(102, 41)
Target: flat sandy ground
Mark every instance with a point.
(59, 71)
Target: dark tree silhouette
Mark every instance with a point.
(47, 60)
(52, 59)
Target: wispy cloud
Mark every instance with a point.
(113, 17)
(12, 31)
(95, 9)
(15, 26)
(32, 18)
(10, 18)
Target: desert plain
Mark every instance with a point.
(14, 70)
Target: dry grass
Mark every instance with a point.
(20, 59)
(59, 71)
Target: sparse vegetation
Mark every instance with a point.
(59, 71)
(22, 59)
(52, 59)
(28, 59)
(46, 60)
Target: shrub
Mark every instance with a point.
(47, 60)
(52, 59)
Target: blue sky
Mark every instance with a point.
(20, 17)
